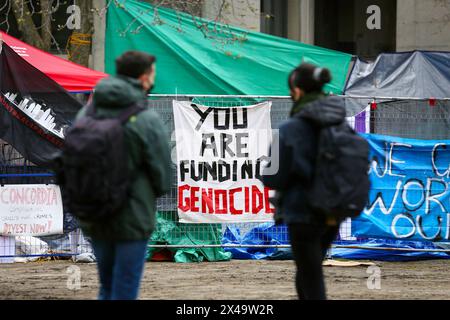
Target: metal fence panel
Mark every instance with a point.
(404, 118)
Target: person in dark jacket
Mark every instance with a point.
(310, 232)
(120, 244)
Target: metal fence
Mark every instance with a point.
(419, 118)
(207, 235)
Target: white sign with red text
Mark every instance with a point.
(30, 210)
(221, 153)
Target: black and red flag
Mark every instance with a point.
(34, 110)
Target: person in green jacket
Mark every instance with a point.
(120, 243)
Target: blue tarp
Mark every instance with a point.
(269, 234)
(387, 255)
(409, 196)
(407, 206)
(263, 234)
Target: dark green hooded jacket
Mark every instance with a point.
(297, 156)
(149, 161)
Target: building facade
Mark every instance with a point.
(361, 27)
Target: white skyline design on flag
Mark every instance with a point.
(35, 112)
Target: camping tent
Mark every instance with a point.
(70, 76)
(402, 83)
(191, 63)
(416, 74)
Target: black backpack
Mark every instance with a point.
(340, 184)
(92, 168)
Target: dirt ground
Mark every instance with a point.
(235, 279)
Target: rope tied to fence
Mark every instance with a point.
(78, 39)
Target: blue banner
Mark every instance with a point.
(409, 196)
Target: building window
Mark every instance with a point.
(274, 17)
(342, 25)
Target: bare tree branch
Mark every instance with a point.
(79, 44)
(26, 25)
(6, 20)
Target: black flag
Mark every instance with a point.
(34, 110)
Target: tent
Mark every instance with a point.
(403, 83)
(416, 74)
(191, 63)
(70, 76)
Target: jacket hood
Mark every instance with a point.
(117, 92)
(325, 111)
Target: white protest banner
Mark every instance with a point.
(220, 153)
(30, 210)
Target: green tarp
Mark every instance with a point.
(173, 233)
(190, 63)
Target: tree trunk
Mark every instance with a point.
(81, 40)
(46, 16)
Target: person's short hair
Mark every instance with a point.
(133, 64)
(309, 78)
